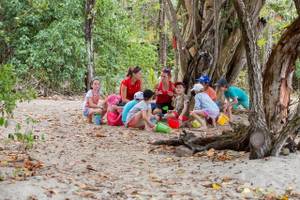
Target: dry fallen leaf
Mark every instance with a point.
(89, 167)
(210, 152)
(32, 165)
(216, 186)
(223, 157)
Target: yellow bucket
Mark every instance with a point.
(223, 119)
(196, 124)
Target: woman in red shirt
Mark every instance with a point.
(164, 93)
(131, 84)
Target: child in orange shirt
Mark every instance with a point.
(205, 81)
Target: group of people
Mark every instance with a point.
(135, 108)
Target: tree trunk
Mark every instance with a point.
(297, 5)
(237, 140)
(162, 36)
(238, 63)
(88, 30)
(291, 129)
(278, 75)
(216, 36)
(260, 140)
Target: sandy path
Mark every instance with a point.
(83, 161)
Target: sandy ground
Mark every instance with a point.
(82, 161)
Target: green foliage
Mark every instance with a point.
(7, 96)
(279, 14)
(120, 43)
(27, 137)
(9, 93)
(44, 41)
(47, 41)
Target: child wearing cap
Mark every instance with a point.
(205, 81)
(234, 94)
(139, 116)
(138, 96)
(180, 103)
(205, 107)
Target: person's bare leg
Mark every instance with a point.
(92, 112)
(214, 123)
(137, 121)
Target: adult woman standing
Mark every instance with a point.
(131, 84)
(164, 91)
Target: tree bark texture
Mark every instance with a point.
(277, 84)
(260, 140)
(162, 36)
(88, 30)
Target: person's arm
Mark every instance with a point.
(157, 92)
(185, 108)
(146, 118)
(124, 93)
(171, 93)
(234, 97)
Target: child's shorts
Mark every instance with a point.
(211, 113)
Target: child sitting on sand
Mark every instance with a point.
(138, 96)
(93, 104)
(180, 103)
(139, 116)
(114, 112)
(205, 107)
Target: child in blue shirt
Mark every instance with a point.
(138, 96)
(237, 95)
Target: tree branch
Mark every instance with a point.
(173, 19)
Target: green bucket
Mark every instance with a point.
(162, 128)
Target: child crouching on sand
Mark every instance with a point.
(139, 116)
(205, 107)
(93, 104)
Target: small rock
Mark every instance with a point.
(183, 151)
(285, 151)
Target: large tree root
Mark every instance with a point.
(237, 140)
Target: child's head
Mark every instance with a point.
(179, 88)
(138, 96)
(113, 99)
(204, 80)
(197, 88)
(148, 94)
(222, 84)
(95, 83)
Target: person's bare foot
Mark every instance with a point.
(89, 120)
(149, 129)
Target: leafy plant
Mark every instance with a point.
(27, 137)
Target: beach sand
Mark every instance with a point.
(84, 161)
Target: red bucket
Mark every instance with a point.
(173, 122)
